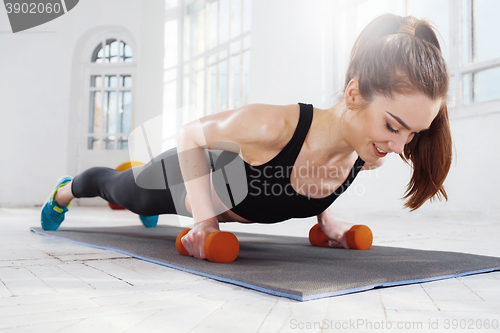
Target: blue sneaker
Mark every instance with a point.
(52, 213)
(149, 221)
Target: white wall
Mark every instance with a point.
(292, 58)
(40, 89)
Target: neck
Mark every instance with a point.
(339, 130)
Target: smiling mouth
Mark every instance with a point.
(380, 150)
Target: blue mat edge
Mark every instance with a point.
(271, 291)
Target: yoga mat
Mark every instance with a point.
(287, 266)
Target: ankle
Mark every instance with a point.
(63, 195)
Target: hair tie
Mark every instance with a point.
(406, 29)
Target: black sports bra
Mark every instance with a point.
(264, 193)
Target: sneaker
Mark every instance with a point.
(52, 213)
(149, 221)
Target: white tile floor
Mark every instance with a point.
(49, 285)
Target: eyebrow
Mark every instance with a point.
(399, 120)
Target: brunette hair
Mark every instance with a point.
(401, 55)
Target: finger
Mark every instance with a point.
(187, 244)
(334, 243)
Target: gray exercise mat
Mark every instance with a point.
(287, 266)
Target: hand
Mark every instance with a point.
(194, 240)
(335, 230)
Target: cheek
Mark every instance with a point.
(410, 137)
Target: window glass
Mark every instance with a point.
(95, 112)
(225, 15)
(214, 47)
(248, 15)
(110, 115)
(93, 143)
(214, 23)
(235, 83)
(246, 56)
(236, 18)
(223, 84)
(96, 81)
(126, 81)
(123, 143)
(110, 81)
(486, 29)
(482, 86)
(125, 98)
(114, 52)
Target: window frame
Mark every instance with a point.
(182, 63)
(114, 69)
(458, 69)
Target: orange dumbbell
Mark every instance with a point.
(359, 237)
(220, 246)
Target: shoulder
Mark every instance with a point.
(266, 123)
(263, 125)
(373, 165)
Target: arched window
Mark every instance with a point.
(110, 86)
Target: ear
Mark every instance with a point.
(352, 96)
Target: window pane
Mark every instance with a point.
(246, 42)
(93, 143)
(200, 93)
(125, 52)
(126, 81)
(97, 54)
(486, 29)
(466, 32)
(223, 85)
(235, 18)
(235, 83)
(486, 87)
(96, 81)
(247, 76)
(123, 143)
(95, 112)
(110, 81)
(248, 15)
(235, 47)
(468, 84)
(110, 111)
(214, 24)
(224, 20)
(109, 143)
(212, 89)
(111, 51)
(437, 12)
(124, 112)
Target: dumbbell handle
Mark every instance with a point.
(359, 237)
(219, 246)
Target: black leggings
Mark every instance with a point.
(143, 189)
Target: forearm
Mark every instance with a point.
(195, 169)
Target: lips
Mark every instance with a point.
(379, 152)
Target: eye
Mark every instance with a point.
(389, 127)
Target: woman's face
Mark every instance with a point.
(386, 125)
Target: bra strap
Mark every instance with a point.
(299, 136)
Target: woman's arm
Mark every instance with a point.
(252, 129)
(334, 229)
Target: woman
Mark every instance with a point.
(394, 101)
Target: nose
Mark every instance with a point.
(397, 146)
